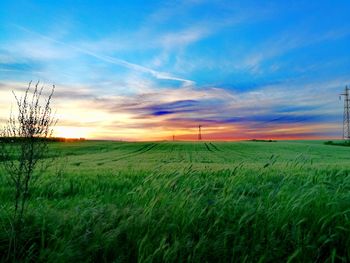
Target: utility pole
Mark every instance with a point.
(199, 132)
(173, 137)
(346, 118)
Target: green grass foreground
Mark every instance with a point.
(189, 202)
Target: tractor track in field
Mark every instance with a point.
(137, 152)
(216, 151)
(213, 150)
(220, 153)
(208, 148)
(215, 147)
(212, 147)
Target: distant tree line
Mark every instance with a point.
(339, 143)
(46, 139)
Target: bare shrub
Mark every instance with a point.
(23, 150)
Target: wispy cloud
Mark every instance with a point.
(287, 41)
(35, 50)
(241, 72)
(226, 115)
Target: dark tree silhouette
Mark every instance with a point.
(23, 150)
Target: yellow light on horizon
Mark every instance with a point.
(70, 132)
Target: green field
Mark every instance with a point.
(188, 202)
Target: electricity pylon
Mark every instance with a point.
(346, 117)
(199, 132)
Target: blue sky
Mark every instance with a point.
(242, 69)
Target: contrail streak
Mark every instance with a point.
(116, 61)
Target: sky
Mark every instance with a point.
(148, 70)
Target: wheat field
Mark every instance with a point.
(101, 201)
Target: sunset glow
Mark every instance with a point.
(71, 132)
(129, 71)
